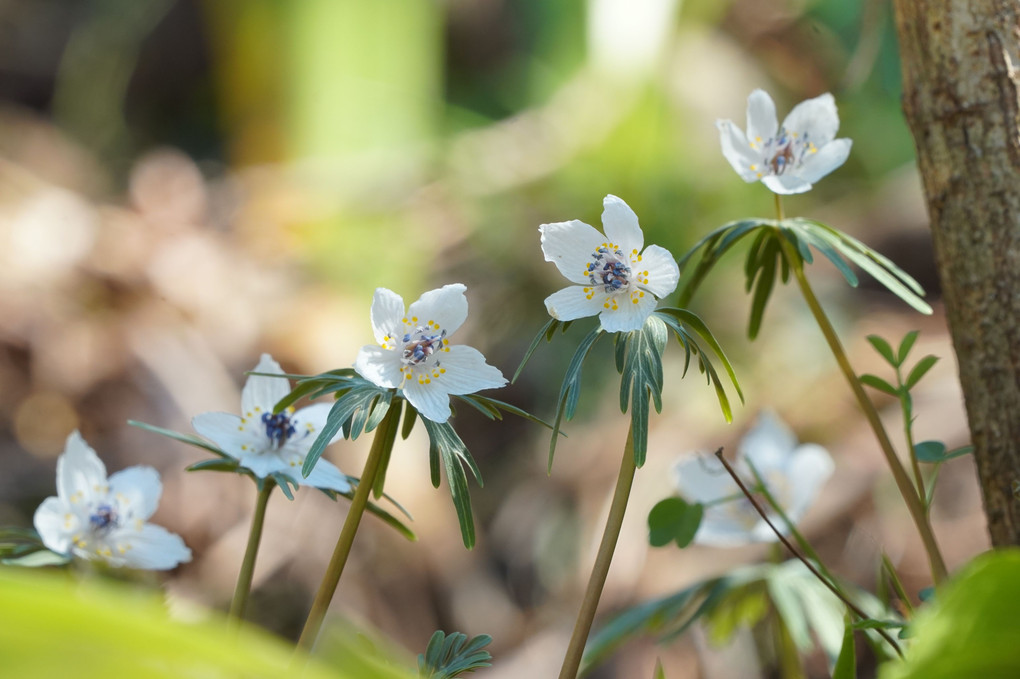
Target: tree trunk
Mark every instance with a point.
(960, 95)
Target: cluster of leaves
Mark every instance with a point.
(361, 406)
(929, 452)
(786, 596)
(639, 362)
(451, 655)
(769, 256)
(24, 547)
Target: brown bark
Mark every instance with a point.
(960, 95)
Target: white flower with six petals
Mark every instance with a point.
(414, 355)
(613, 277)
(788, 158)
(793, 475)
(268, 443)
(98, 518)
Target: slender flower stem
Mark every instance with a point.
(244, 578)
(585, 617)
(903, 482)
(830, 585)
(385, 434)
(779, 206)
(908, 433)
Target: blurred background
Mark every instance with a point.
(185, 184)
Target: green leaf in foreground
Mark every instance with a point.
(674, 520)
(113, 631)
(971, 628)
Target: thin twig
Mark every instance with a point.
(793, 550)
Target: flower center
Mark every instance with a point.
(608, 268)
(786, 150)
(420, 344)
(279, 428)
(103, 518)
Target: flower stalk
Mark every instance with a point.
(900, 475)
(242, 591)
(382, 444)
(597, 580)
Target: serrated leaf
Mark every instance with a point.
(674, 520)
(876, 382)
(906, 345)
(884, 350)
(919, 371)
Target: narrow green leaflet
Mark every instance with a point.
(448, 656)
(190, 439)
(342, 416)
(547, 332)
(570, 390)
(846, 663)
(906, 345)
(446, 445)
(934, 452)
(710, 250)
(883, 348)
(642, 378)
(919, 371)
(876, 382)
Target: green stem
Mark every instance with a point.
(779, 206)
(903, 482)
(243, 589)
(908, 433)
(385, 435)
(585, 617)
(829, 582)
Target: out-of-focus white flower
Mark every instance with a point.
(268, 443)
(792, 473)
(613, 277)
(414, 355)
(788, 158)
(103, 519)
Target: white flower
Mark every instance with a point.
(266, 443)
(414, 355)
(787, 159)
(613, 277)
(103, 519)
(793, 475)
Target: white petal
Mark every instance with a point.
(621, 224)
(139, 489)
(737, 150)
(155, 548)
(824, 161)
(628, 314)
(573, 302)
(55, 523)
(467, 371)
(663, 272)
(570, 245)
(432, 400)
(816, 119)
(265, 462)
(80, 472)
(260, 393)
(761, 117)
(447, 306)
(326, 475)
(309, 422)
(227, 432)
(768, 444)
(808, 471)
(387, 314)
(380, 366)
(786, 184)
(720, 530)
(702, 478)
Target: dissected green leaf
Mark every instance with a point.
(37, 559)
(641, 379)
(448, 656)
(883, 348)
(547, 331)
(446, 445)
(701, 258)
(360, 398)
(570, 390)
(922, 367)
(674, 520)
(930, 451)
(190, 439)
